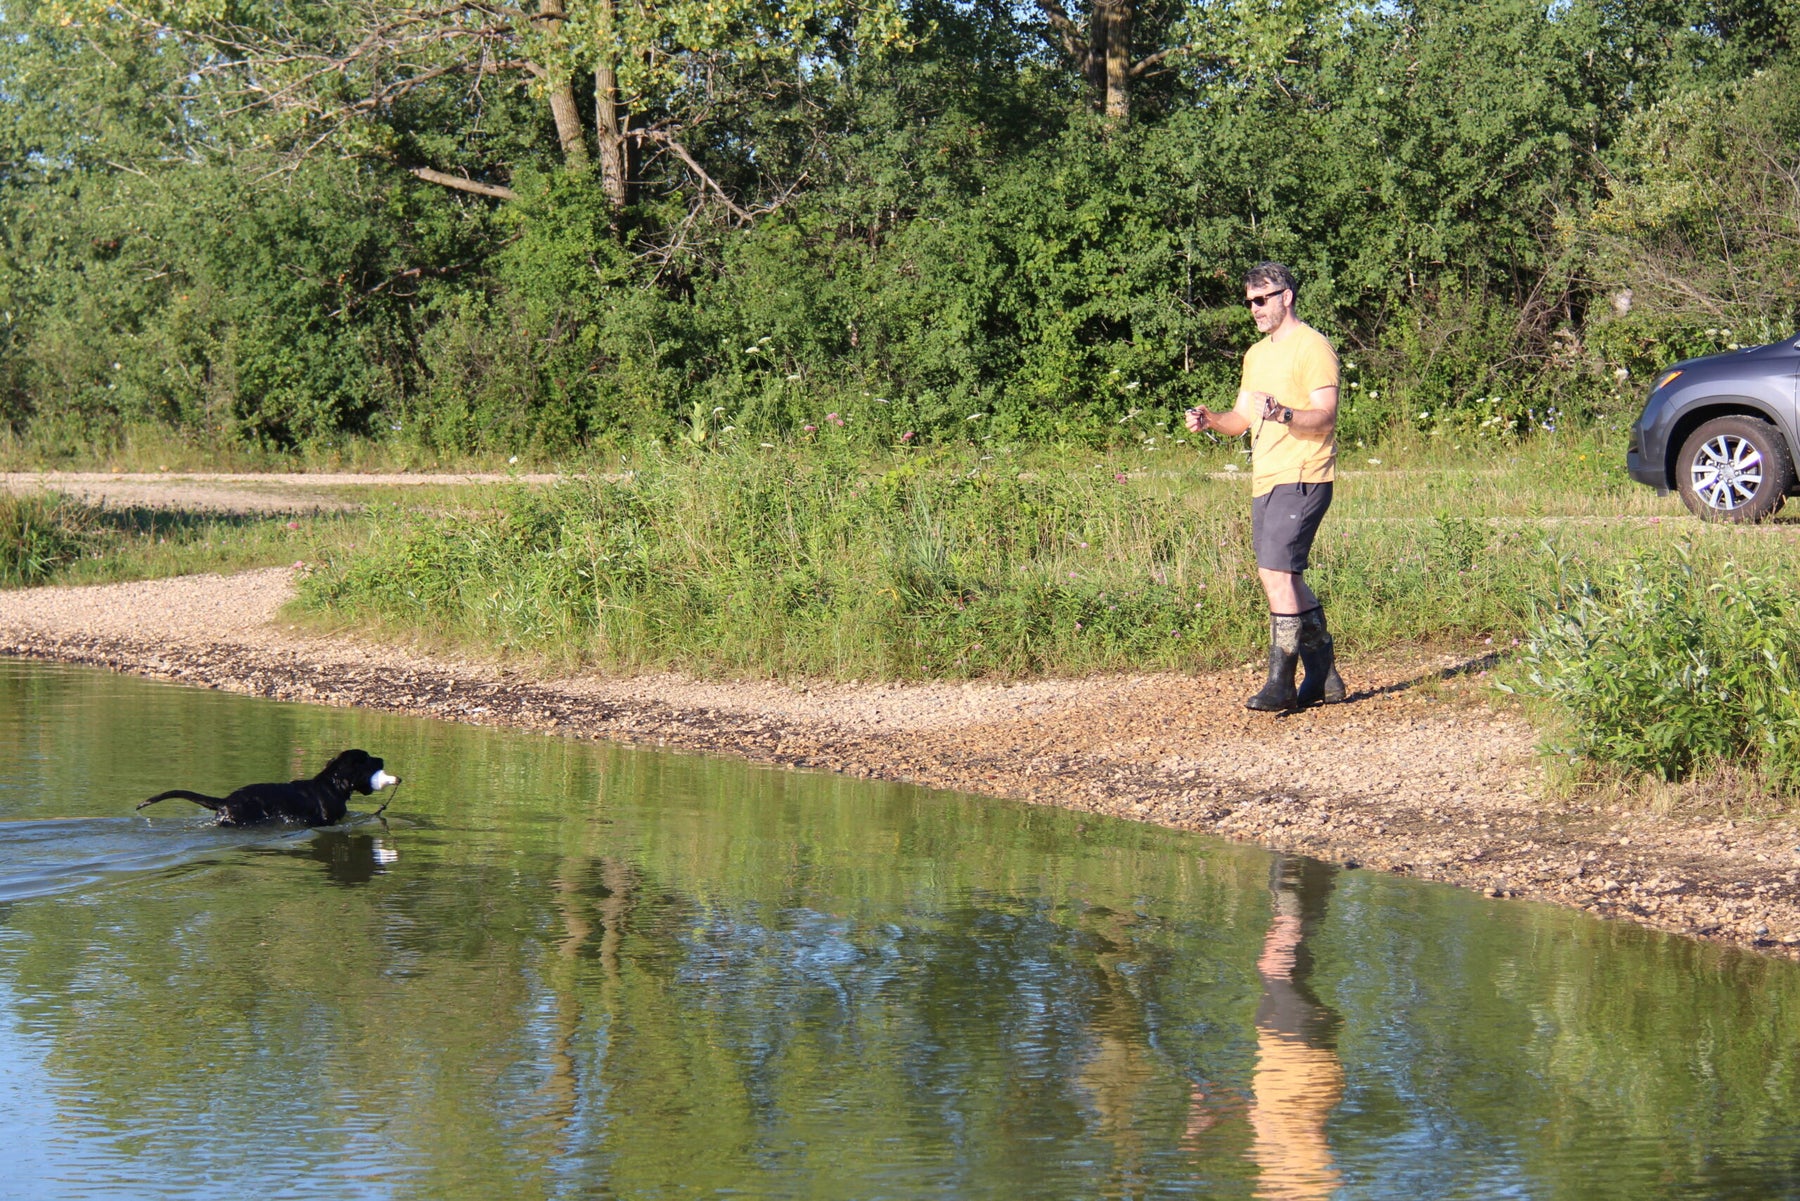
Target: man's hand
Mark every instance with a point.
(1271, 408)
(1199, 418)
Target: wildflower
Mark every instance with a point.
(975, 416)
(1374, 462)
(881, 400)
(766, 445)
(1231, 467)
(718, 409)
(794, 376)
(395, 427)
(1119, 476)
(1078, 625)
(293, 525)
(514, 459)
(907, 436)
(1073, 576)
(728, 429)
(1621, 373)
(1082, 545)
(834, 419)
(811, 429)
(752, 350)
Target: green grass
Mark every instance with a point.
(49, 538)
(822, 559)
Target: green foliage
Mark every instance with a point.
(1674, 665)
(946, 229)
(39, 535)
(1697, 244)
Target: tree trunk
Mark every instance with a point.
(609, 118)
(1118, 58)
(609, 122)
(563, 108)
(1098, 47)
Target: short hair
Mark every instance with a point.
(1272, 273)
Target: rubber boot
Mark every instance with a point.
(1322, 684)
(1277, 695)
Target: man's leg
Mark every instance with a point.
(1282, 524)
(1283, 590)
(1288, 593)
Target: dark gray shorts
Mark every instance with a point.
(1283, 521)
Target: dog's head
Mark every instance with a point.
(359, 771)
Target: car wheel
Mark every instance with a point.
(1734, 469)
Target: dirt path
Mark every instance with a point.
(238, 492)
(1417, 774)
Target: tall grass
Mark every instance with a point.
(50, 538)
(1676, 665)
(961, 562)
(40, 535)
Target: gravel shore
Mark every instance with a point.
(1419, 773)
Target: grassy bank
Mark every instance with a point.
(1650, 642)
(55, 539)
(823, 560)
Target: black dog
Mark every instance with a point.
(319, 801)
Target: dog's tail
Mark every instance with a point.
(182, 794)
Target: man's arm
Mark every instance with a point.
(1317, 420)
(1237, 421)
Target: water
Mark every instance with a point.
(566, 970)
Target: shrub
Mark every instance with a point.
(1673, 666)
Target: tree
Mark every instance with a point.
(1118, 46)
(338, 73)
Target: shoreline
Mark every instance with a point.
(1417, 774)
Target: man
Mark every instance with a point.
(1287, 400)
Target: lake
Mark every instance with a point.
(561, 969)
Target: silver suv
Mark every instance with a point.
(1721, 431)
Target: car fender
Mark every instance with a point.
(1683, 415)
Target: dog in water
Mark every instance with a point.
(319, 801)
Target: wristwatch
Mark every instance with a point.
(1287, 416)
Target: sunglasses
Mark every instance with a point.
(1257, 302)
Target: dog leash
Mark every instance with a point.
(390, 799)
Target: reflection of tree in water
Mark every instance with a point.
(1298, 1079)
(1127, 1080)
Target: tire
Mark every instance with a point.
(1734, 469)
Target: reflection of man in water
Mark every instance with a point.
(1298, 1080)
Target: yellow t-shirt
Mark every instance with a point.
(1290, 370)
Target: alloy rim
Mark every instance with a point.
(1727, 472)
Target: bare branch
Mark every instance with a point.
(1073, 43)
(680, 152)
(1151, 62)
(429, 175)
